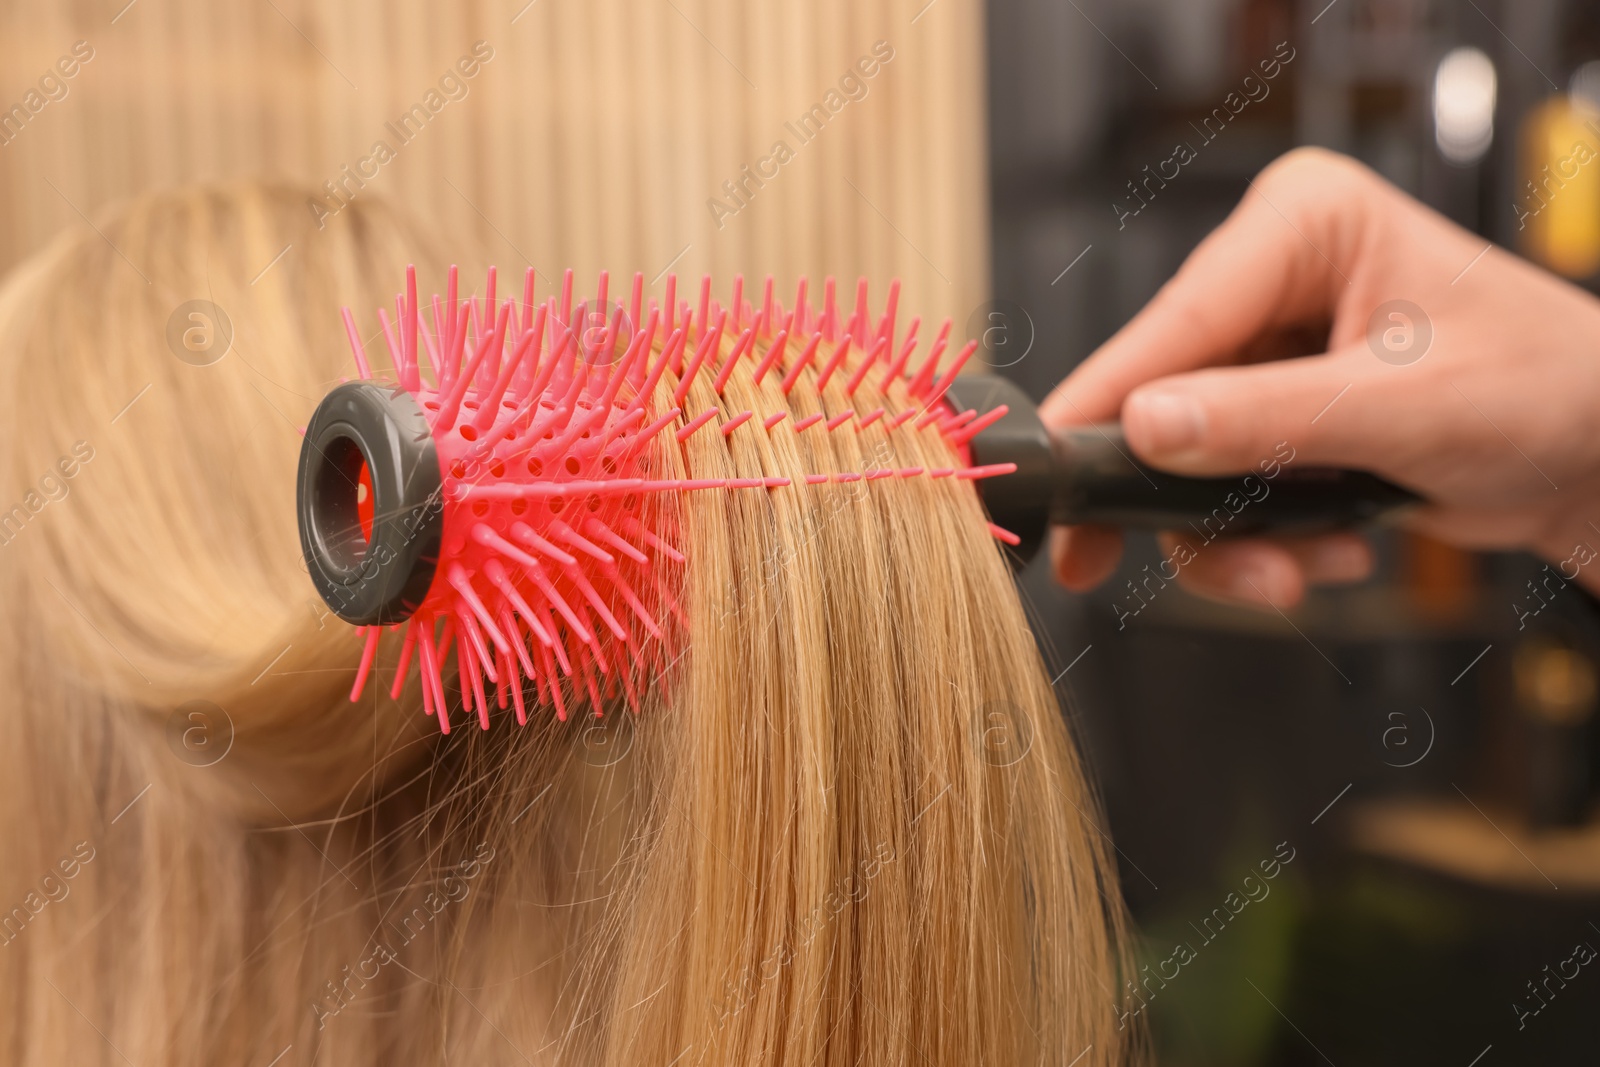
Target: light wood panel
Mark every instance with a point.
(593, 138)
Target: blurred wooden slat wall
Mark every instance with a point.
(592, 139)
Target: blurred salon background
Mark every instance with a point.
(1425, 742)
(1422, 746)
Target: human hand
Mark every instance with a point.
(1496, 424)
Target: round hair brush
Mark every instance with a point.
(507, 505)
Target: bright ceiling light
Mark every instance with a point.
(1585, 86)
(1463, 105)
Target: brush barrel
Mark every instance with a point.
(370, 434)
(1090, 475)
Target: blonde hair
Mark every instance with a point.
(848, 826)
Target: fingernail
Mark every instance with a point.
(1261, 580)
(1338, 560)
(1166, 422)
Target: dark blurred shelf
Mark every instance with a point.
(1372, 613)
(1486, 846)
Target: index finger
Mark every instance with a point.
(1268, 265)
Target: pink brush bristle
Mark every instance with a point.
(559, 551)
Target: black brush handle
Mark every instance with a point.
(1099, 479)
(1089, 474)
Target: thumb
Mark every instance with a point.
(1334, 410)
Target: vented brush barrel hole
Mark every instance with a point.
(342, 493)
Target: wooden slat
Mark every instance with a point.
(592, 139)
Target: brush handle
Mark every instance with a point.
(1089, 474)
(1099, 479)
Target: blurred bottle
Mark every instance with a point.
(1557, 202)
(1440, 580)
(1555, 688)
